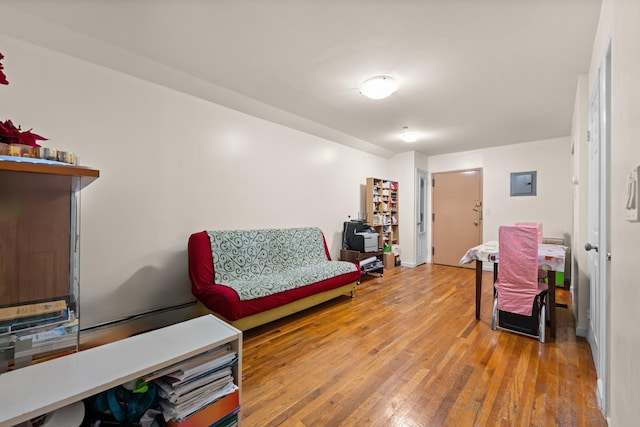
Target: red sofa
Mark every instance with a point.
(251, 257)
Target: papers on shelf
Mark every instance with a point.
(182, 394)
(189, 386)
(179, 412)
(368, 261)
(193, 364)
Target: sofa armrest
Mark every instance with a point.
(201, 270)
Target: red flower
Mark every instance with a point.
(10, 134)
(3, 78)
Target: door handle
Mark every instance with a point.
(589, 246)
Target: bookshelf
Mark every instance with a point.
(39, 215)
(382, 210)
(44, 387)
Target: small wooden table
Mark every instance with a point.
(356, 257)
(550, 258)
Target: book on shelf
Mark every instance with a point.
(32, 324)
(180, 412)
(225, 410)
(29, 310)
(49, 329)
(231, 420)
(47, 341)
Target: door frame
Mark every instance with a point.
(599, 306)
(422, 241)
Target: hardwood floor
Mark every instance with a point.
(407, 351)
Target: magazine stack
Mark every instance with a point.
(200, 388)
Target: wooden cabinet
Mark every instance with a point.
(44, 387)
(382, 210)
(39, 258)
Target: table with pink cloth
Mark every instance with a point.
(550, 257)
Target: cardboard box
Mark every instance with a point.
(389, 260)
(212, 413)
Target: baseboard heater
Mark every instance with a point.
(103, 333)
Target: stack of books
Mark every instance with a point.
(195, 385)
(38, 330)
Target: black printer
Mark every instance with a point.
(357, 235)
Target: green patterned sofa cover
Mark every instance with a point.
(259, 263)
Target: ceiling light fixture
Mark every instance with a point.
(408, 136)
(379, 87)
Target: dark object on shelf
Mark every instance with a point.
(357, 235)
(124, 405)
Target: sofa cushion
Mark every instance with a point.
(257, 263)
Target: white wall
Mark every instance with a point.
(402, 169)
(551, 206)
(171, 164)
(619, 21)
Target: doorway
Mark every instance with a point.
(456, 199)
(421, 209)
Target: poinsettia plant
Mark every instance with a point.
(9, 133)
(3, 78)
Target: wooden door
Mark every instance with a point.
(457, 215)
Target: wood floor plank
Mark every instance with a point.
(408, 351)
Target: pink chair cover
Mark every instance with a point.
(517, 283)
(542, 274)
(535, 225)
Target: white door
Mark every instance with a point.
(598, 224)
(421, 209)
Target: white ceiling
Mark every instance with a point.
(472, 73)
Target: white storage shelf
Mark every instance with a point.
(44, 387)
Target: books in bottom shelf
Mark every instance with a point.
(58, 338)
(194, 384)
(36, 331)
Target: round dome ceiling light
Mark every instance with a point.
(408, 136)
(379, 87)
